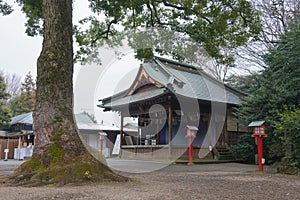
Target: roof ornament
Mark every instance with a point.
(172, 78)
(170, 83)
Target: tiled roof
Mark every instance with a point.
(22, 119)
(147, 94)
(83, 121)
(196, 83)
(184, 80)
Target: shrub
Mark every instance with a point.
(245, 148)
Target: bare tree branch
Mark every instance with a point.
(275, 17)
(13, 84)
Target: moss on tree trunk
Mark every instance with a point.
(59, 155)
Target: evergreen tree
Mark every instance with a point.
(26, 101)
(278, 84)
(275, 87)
(4, 110)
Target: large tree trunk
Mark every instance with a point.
(59, 155)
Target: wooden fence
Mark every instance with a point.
(11, 144)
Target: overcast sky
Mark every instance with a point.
(19, 53)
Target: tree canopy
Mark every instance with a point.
(217, 26)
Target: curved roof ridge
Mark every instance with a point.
(172, 77)
(177, 63)
(199, 71)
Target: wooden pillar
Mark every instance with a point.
(209, 132)
(225, 131)
(260, 153)
(170, 128)
(121, 134)
(157, 132)
(139, 130)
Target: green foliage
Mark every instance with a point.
(245, 149)
(146, 54)
(96, 35)
(33, 11)
(164, 42)
(244, 83)
(5, 8)
(278, 84)
(288, 128)
(274, 87)
(217, 26)
(4, 110)
(26, 101)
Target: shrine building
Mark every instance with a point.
(166, 97)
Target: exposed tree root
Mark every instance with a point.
(75, 171)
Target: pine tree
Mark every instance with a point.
(4, 110)
(26, 101)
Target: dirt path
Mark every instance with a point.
(218, 181)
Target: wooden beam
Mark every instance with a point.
(170, 128)
(139, 138)
(225, 131)
(121, 134)
(157, 132)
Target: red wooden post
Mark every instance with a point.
(260, 154)
(259, 133)
(191, 151)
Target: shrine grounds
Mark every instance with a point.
(176, 181)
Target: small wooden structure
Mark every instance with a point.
(19, 138)
(259, 133)
(19, 145)
(259, 129)
(166, 96)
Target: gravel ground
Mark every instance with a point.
(209, 181)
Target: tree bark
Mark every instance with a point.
(53, 118)
(59, 156)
